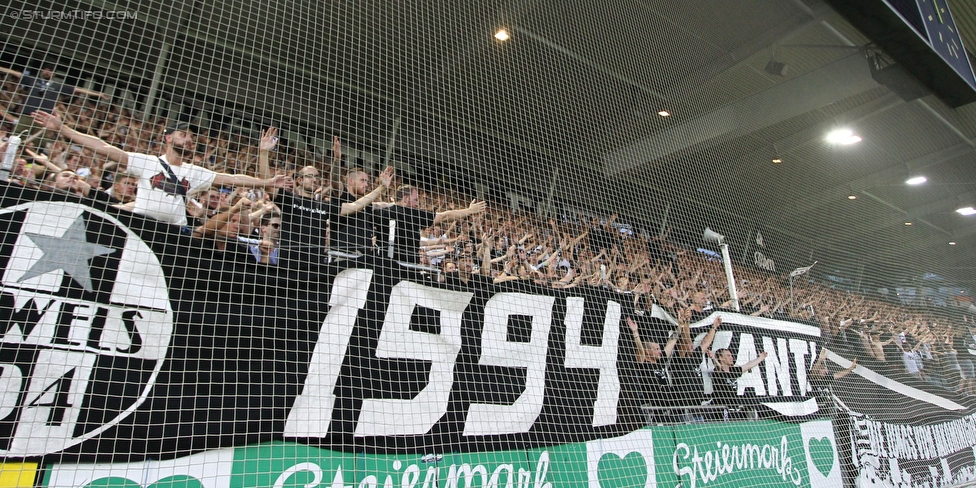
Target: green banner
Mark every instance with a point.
(763, 453)
(726, 454)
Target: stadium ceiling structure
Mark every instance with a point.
(569, 105)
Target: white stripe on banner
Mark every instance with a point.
(794, 409)
(659, 313)
(759, 323)
(743, 319)
(895, 386)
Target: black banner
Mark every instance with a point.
(120, 335)
(903, 431)
(887, 454)
(124, 339)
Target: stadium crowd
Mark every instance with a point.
(284, 206)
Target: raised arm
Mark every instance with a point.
(53, 122)
(820, 359)
(673, 341)
(476, 207)
(844, 324)
(336, 168)
(842, 373)
(487, 243)
(6, 116)
(386, 179)
(14, 73)
(640, 353)
(90, 93)
(220, 220)
(755, 362)
(269, 139)
(685, 344)
(706, 343)
(40, 158)
(280, 181)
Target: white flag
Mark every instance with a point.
(798, 271)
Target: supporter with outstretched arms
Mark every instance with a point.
(167, 180)
(353, 232)
(822, 383)
(304, 218)
(408, 220)
(725, 378)
(685, 366)
(657, 388)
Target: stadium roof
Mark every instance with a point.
(572, 100)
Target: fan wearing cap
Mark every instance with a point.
(165, 181)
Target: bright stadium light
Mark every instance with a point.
(918, 180)
(502, 35)
(843, 136)
(966, 211)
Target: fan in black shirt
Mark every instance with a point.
(725, 378)
(657, 388)
(406, 220)
(686, 365)
(671, 382)
(303, 216)
(822, 382)
(352, 231)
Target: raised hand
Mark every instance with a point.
(336, 148)
(40, 158)
(269, 139)
(51, 121)
(282, 181)
(477, 207)
(631, 324)
(80, 186)
(245, 202)
(386, 177)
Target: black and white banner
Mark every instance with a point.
(903, 431)
(780, 384)
(122, 339)
(888, 454)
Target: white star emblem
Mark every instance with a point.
(69, 253)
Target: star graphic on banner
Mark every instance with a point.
(70, 253)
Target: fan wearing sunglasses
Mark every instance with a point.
(266, 250)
